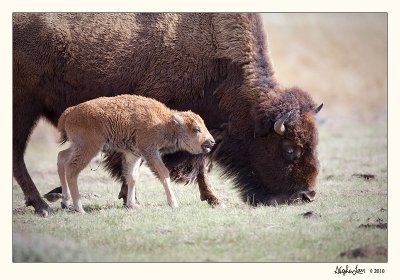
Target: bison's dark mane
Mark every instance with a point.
(264, 70)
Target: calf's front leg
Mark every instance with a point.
(155, 163)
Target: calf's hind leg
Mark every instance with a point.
(62, 158)
(80, 156)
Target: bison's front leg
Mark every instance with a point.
(123, 193)
(186, 168)
(113, 163)
(206, 191)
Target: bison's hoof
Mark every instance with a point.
(64, 205)
(44, 212)
(41, 207)
(215, 202)
(220, 204)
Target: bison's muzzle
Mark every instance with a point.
(303, 196)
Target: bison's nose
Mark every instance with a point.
(207, 145)
(308, 195)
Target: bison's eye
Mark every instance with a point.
(196, 129)
(290, 151)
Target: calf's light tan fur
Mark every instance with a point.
(139, 127)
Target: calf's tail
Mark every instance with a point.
(61, 125)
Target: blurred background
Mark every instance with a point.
(339, 58)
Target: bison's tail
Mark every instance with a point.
(61, 125)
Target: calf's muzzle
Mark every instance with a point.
(207, 145)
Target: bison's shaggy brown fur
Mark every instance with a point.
(219, 63)
(135, 126)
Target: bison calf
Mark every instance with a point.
(136, 126)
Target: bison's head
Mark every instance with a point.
(280, 160)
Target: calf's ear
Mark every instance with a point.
(262, 127)
(177, 119)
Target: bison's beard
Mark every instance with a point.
(183, 166)
(234, 158)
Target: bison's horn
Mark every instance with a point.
(316, 110)
(279, 125)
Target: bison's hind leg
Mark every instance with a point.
(26, 112)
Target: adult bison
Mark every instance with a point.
(213, 64)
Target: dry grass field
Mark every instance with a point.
(341, 59)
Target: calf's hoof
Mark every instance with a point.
(133, 206)
(80, 210)
(173, 204)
